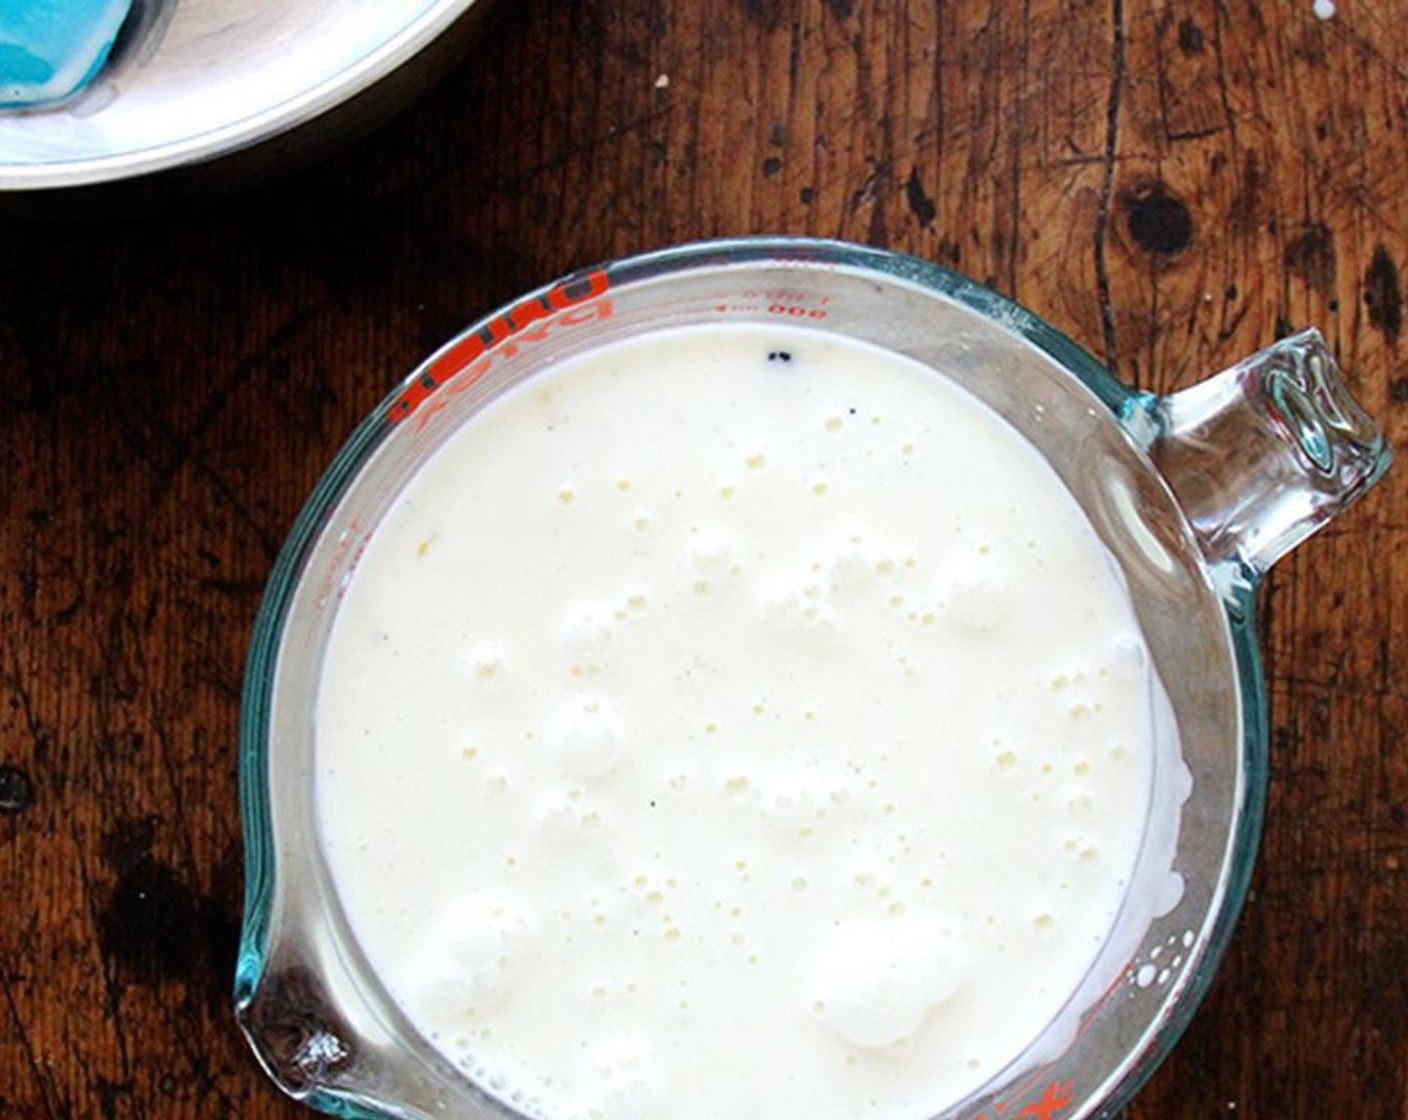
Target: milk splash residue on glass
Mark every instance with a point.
(741, 721)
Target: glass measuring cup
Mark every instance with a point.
(1195, 495)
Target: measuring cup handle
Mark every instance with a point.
(1261, 455)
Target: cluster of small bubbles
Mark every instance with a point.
(800, 615)
(562, 817)
(488, 665)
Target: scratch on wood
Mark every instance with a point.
(31, 1059)
(1107, 186)
(1019, 128)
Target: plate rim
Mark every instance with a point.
(246, 132)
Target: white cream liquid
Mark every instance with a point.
(707, 735)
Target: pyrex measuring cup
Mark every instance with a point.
(1195, 495)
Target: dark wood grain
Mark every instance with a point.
(1172, 184)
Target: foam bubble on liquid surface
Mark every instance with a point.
(468, 959)
(800, 616)
(711, 553)
(587, 736)
(874, 983)
(564, 817)
(979, 596)
(617, 1081)
(588, 633)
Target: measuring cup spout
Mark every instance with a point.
(1261, 455)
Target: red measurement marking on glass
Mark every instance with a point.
(552, 308)
(796, 311)
(1047, 1107)
(349, 545)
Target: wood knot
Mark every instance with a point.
(1159, 221)
(16, 790)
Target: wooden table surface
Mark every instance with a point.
(1173, 184)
